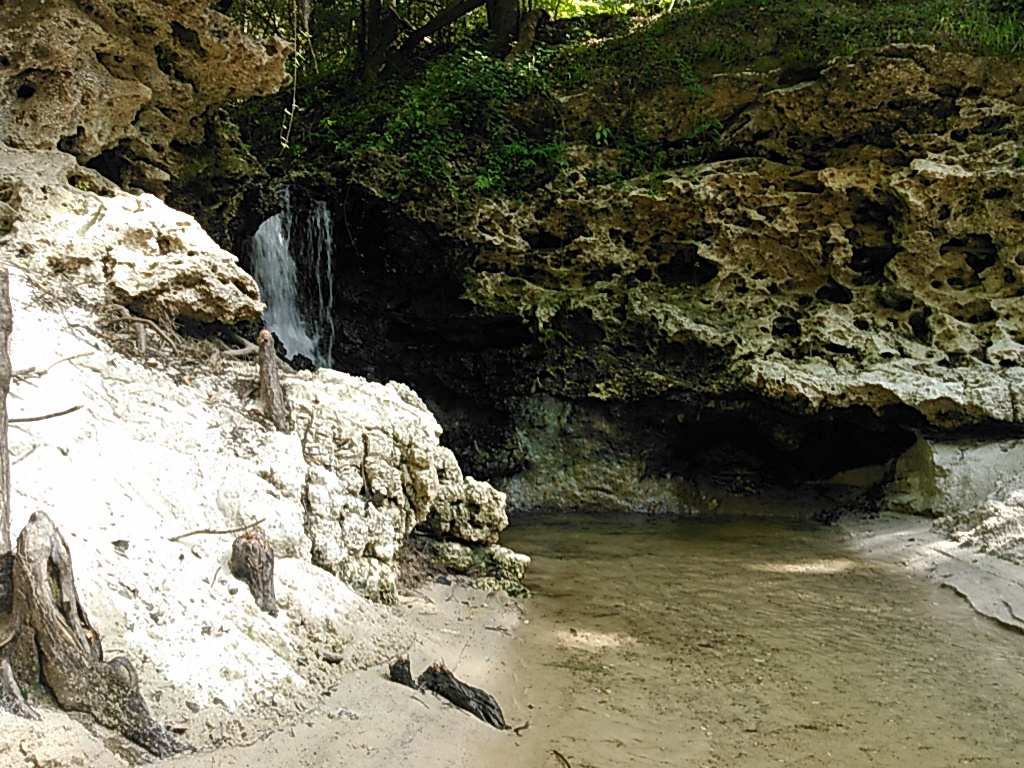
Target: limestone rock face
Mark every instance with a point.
(464, 508)
(115, 247)
(995, 526)
(376, 471)
(121, 83)
(840, 267)
(863, 251)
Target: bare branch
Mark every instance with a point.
(33, 371)
(214, 532)
(23, 419)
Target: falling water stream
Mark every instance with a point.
(284, 244)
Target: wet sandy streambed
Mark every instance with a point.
(748, 642)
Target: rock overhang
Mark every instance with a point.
(848, 251)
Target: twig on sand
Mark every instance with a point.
(33, 371)
(562, 758)
(212, 531)
(25, 455)
(124, 316)
(23, 419)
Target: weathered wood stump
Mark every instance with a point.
(439, 679)
(271, 393)
(58, 640)
(45, 634)
(401, 672)
(252, 561)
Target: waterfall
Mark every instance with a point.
(284, 244)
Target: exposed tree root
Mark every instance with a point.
(57, 638)
(45, 634)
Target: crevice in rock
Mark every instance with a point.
(978, 251)
(686, 267)
(112, 163)
(834, 292)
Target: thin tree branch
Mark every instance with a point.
(149, 324)
(23, 419)
(33, 371)
(212, 531)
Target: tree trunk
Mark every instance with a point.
(11, 698)
(503, 21)
(455, 10)
(528, 31)
(380, 28)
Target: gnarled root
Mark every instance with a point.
(55, 628)
(439, 679)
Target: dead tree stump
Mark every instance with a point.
(252, 561)
(68, 647)
(271, 394)
(45, 633)
(401, 672)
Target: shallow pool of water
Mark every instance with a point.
(749, 643)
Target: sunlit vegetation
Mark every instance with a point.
(453, 119)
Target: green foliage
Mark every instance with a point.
(792, 34)
(982, 28)
(641, 59)
(459, 124)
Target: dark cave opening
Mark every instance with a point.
(770, 447)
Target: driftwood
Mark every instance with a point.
(271, 394)
(45, 634)
(401, 672)
(46, 416)
(439, 679)
(252, 561)
(240, 528)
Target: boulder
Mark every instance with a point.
(117, 247)
(376, 472)
(124, 85)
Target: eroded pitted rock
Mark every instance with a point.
(120, 84)
(862, 254)
(836, 268)
(376, 472)
(121, 248)
(465, 509)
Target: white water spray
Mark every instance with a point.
(303, 332)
